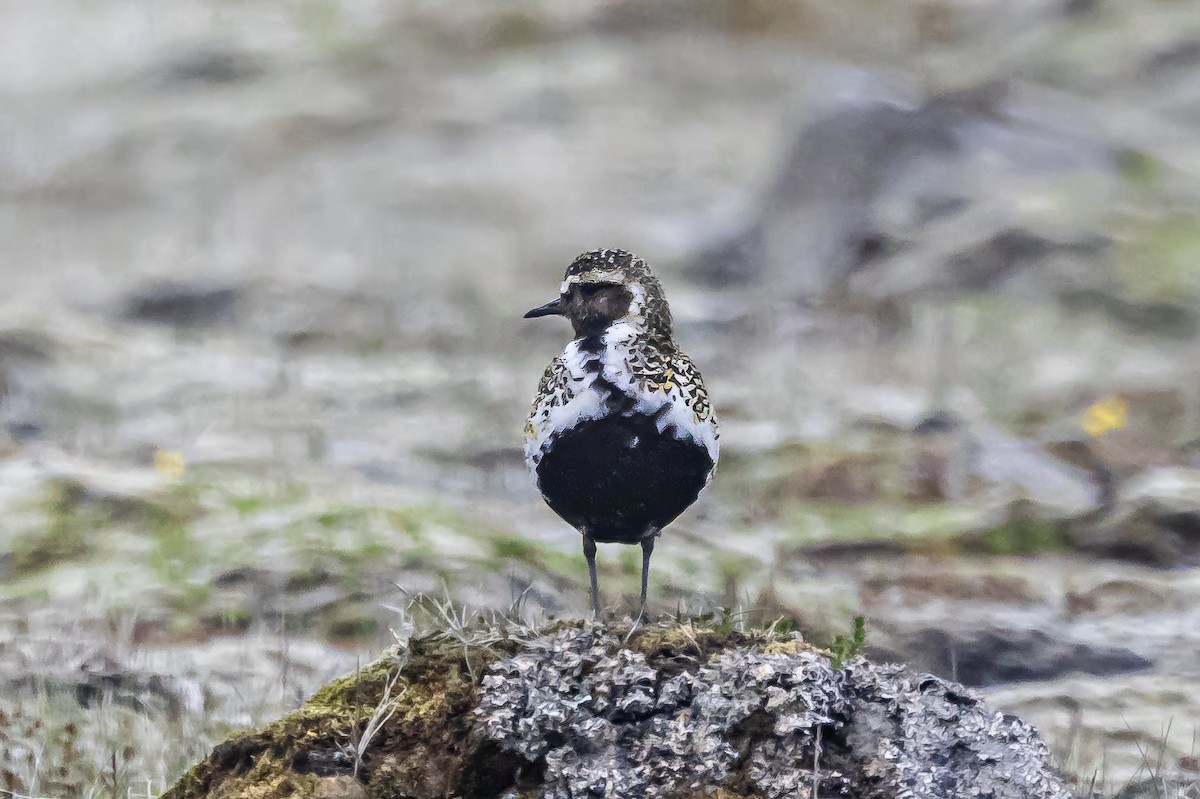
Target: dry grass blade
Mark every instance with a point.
(816, 775)
(379, 717)
(473, 629)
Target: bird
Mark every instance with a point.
(622, 437)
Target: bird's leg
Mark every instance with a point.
(589, 552)
(647, 551)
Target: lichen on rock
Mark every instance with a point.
(676, 709)
(605, 721)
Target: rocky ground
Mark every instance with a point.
(693, 707)
(263, 376)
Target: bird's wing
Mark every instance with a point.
(554, 391)
(671, 378)
(690, 387)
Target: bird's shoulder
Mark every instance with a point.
(663, 368)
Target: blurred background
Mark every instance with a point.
(263, 374)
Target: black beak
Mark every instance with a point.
(554, 308)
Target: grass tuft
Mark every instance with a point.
(846, 648)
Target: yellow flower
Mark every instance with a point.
(1105, 415)
(169, 463)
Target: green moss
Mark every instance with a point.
(830, 522)
(306, 579)
(1021, 534)
(69, 520)
(422, 557)
(426, 744)
(235, 619)
(274, 493)
(507, 546)
(75, 513)
(246, 506)
(364, 685)
(175, 553)
(178, 558)
(630, 560)
(343, 517)
(356, 547)
(417, 520)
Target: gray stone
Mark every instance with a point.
(607, 722)
(182, 304)
(996, 656)
(204, 65)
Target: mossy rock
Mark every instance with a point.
(675, 709)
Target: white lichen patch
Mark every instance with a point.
(606, 721)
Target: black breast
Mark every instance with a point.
(618, 477)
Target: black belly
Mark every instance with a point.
(619, 478)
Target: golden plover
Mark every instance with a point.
(622, 437)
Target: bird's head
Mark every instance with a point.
(603, 287)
